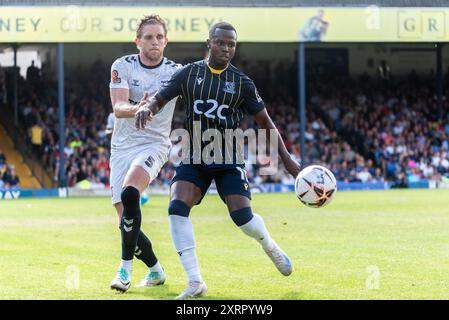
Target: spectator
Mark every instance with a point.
(13, 180)
(9, 177)
(33, 74)
(2, 159)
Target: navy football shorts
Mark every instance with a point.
(229, 179)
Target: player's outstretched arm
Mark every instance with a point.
(122, 108)
(264, 121)
(147, 108)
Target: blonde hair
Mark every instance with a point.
(150, 19)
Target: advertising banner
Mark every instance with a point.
(36, 24)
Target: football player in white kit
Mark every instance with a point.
(138, 155)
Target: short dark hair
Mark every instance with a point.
(150, 19)
(221, 25)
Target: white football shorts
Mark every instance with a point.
(149, 157)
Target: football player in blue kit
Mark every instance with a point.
(217, 96)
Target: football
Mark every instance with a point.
(315, 186)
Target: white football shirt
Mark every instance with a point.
(129, 73)
(110, 122)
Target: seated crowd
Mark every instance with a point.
(364, 130)
(396, 125)
(86, 145)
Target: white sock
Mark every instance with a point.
(190, 263)
(181, 230)
(255, 228)
(156, 268)
(128, 266)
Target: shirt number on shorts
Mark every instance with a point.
(244, 178)
(149, 162)
(242, 174)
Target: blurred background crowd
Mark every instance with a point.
(366, 129)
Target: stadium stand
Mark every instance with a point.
(402, 140)
(86, 147)
(13, 176)
(395, 123)
(367, 129)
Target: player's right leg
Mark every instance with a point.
(143, 248)
(135, 180)
(119, 167)
(134, 242)
(144, 169)
(144, 252)
(187, 189)
(120, 281)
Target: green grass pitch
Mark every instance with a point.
(365, 245)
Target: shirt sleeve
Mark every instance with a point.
(119, 75)
(253, 103)
(173, 87)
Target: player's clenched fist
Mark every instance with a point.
(144, 113)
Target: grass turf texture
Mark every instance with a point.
(365, 245)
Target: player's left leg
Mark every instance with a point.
(234, 189)
(253, 225)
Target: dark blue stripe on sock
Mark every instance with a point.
(179, 208)
(242, 216)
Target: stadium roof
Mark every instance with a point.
(232, 3)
